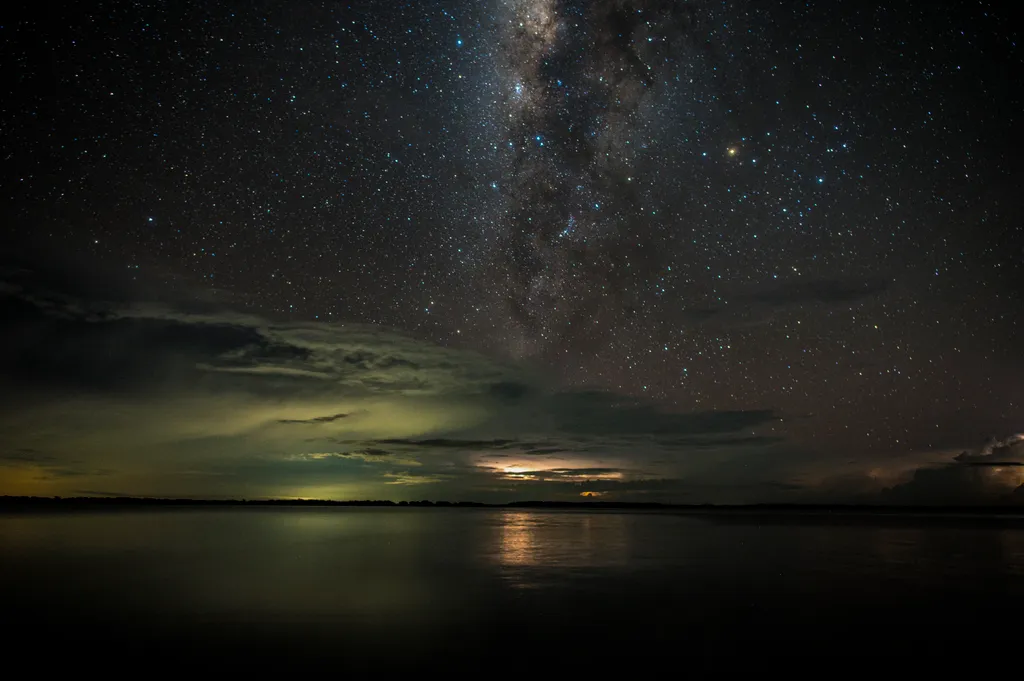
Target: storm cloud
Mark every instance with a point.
(991, 474)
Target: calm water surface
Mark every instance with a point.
(440, 587)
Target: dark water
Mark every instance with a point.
(524, 590)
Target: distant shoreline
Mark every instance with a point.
(72, 503)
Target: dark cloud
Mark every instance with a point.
(448, 443)
(59, 280)
(362, 451)
(576, 472)
(987, 475)
(856, 487)
(1006, 452)
(496, 445)
(509, 390)
(56, 343)
(27, 455)
(62, 344)
(744, 441)
(367, 360)
(754, 308)
(698, 315)
(825, 291)
(62, 279)
(943, 485)
(604, 422)
(316, 419)
(100, 493)
(603, 413)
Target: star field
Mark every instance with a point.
(813, 208)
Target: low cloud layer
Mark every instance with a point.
(163, 399)
(131, 397)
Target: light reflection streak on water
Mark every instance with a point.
(531, 544)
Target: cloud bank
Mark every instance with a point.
(166, 399)
(200, 400)
(992, 474)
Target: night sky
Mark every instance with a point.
(513, 249)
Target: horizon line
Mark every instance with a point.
(13, 500)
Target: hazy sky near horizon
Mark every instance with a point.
(630, 249)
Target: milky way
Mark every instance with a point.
(581, 86)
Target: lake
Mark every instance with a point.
(421, 588)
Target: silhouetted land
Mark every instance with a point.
(71, 503)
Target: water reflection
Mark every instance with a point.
(534, 548)
(562, 540)
(518, 543)
(370, 574)
(1013, 552)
